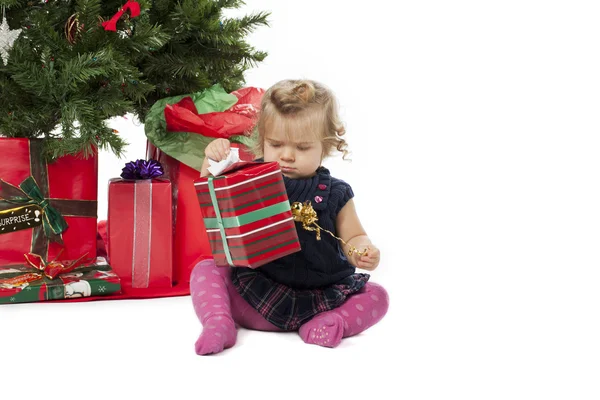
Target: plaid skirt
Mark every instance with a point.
(289, 308)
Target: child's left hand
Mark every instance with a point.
(370, 261)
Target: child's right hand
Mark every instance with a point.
(218, 149)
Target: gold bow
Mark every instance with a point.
(306, 214)
(50, 270)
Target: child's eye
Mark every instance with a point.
(274, 144)
(303, 148)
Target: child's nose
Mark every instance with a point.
(287, 153)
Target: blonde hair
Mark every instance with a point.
(291, 102)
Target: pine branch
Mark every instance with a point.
(245, 25)
(10, 3)
(230, 4)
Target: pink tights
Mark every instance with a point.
(219, 307)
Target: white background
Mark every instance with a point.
(482, 118)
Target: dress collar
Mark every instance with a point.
(316, 189)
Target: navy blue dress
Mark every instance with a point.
(291, 290)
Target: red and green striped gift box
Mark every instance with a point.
(247, 215)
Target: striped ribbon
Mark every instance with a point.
(142, 233)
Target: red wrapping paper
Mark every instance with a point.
(70, 182)
(139, 232)
(255, 211)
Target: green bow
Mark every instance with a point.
(30, 193)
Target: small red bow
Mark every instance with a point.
(134, 9)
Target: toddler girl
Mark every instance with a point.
(315, 291)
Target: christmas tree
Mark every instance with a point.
(68, 66)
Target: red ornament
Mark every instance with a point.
(134, 10)
(73, 29)
(322, 186)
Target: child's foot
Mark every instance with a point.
(325, 330)
(218, 333)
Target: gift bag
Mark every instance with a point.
(181, 154)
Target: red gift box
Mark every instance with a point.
(140, 232)
(247, 215)
(68, 187)
(91, 280)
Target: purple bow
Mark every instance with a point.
(142, 169)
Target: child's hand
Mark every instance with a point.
(218, 149)
(370, 261)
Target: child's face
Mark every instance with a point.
(299, 155)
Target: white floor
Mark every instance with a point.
(146, 348)
(451, 332)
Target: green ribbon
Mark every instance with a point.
(30, 193)
(219, 220)
(248, 218)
